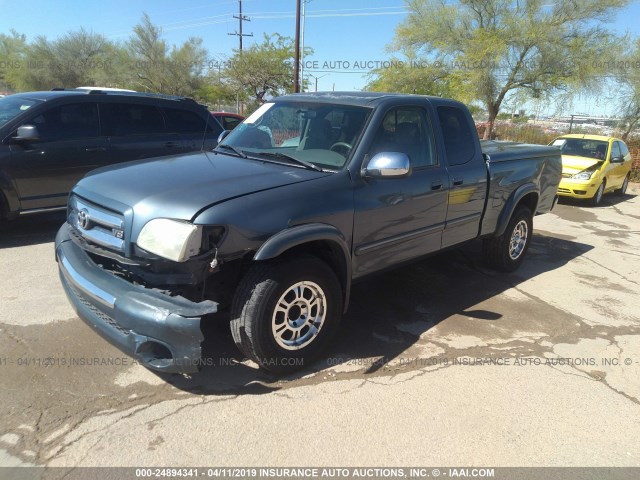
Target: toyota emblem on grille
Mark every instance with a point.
(83, 219)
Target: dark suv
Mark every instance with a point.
(49, 140)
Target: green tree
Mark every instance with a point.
(156, 67)
(411, 76)
(628, 78)
(264, 69)
(492, 49)
(12, 59)
(76, 59)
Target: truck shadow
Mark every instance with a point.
(387, 315)
(31, 229)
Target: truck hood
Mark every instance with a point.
(181, 186)
(572, 164)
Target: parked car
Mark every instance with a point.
(276, 234)
(49, 140)
(593, 165)
(229, 121)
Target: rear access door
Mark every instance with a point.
(467, 174)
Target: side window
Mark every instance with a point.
(407, 130)
(624, 151)
(615, 150)
(458, 137)
(186, 121)
(74, 121)
(229, 123)
(122, 119)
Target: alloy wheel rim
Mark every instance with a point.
(299, 315)
(518, 239)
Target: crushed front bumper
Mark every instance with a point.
(160, 331)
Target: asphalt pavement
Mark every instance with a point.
(443, 362)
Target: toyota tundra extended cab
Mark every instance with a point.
(310, 193)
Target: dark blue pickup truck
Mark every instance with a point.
(308, 194)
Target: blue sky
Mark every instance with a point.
(341, 32)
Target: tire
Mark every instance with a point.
(597, 197)
(272, 310)
(4, 209)
(623, 190)
(506, 252)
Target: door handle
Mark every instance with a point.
(457, 181)
(170, 145)
(95, 149)
(436, 185)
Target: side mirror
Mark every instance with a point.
(617, 159)
(388, 165)
(27, 133)
(223, 135)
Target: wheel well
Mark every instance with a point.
(530, 200)
(327, 251)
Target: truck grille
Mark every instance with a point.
(97, 224)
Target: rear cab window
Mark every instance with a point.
(457, 135)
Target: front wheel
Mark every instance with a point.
(597, 198)
(285, 312)
(623, 190)
(506, 252)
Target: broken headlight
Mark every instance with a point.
(171, 239)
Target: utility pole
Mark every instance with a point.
(296, 58)
(301, 75)
(241, 18)
(316, 78)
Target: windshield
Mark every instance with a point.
(12, 106)
(323, 135)
(582, 147)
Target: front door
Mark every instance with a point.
(68, 147)
(397, 219)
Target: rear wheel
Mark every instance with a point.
(625, 184)
(4, 208)
(506, 252)
(285, 312)
(597, 198)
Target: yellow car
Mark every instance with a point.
(593, 165)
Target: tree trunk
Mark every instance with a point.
(632, 124)
(493, 113)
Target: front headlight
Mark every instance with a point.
(586, 175)
(171, 239)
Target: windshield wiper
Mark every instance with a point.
(235, 150)
(304, 163)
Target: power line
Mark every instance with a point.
(215, 19)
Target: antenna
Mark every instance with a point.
(206, 127)
(241, 18)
